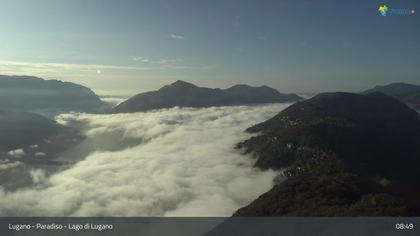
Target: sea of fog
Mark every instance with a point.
(171, 162)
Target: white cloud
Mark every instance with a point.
(162, 61)
(51, 68)
(173, 64)
(175, 162)
(6, 165)
(113, 101)
(17, 153)
(176, 36)
(38, 176)
(141, 59)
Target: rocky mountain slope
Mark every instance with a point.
(343, 155)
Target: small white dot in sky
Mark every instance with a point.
(98, 72)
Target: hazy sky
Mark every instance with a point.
(125, 47)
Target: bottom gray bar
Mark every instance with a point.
(194, 226)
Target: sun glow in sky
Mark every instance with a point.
(125, 47)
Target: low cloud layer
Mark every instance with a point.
(176, 36)
(176, 162)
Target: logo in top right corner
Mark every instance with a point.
(384, 10)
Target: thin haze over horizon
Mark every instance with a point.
(126, 47)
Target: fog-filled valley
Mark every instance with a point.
(170, 162)
(186, 150)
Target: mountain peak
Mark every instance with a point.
(240, 86)
(181, 83)
(178, 85)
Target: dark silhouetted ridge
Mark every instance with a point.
(26, 93)
(407, 93)
(183, 94)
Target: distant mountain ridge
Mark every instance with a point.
(407, 93)
(183, 94)
(27, 93)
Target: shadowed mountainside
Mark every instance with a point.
(27, 93)
(407, 93)
(19, 130)
(184, 94)
(343, 155)
(29, 140)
